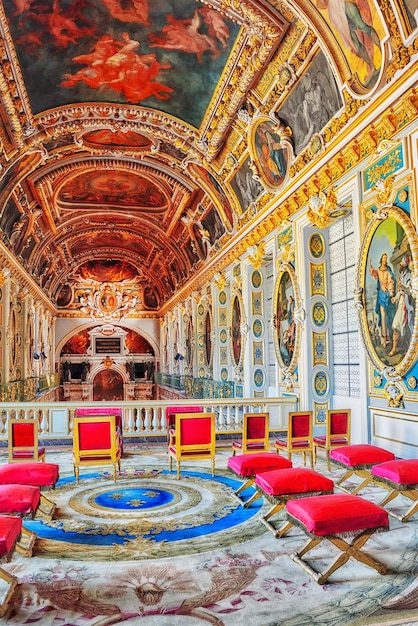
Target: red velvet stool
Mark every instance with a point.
(22, 500)
(11, 531)
(280, 486)
(330, 517)
(400, 477)
(358, 459)
(34, 475)
(249, 465)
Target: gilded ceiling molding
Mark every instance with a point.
(385, 127)
(16, 272)
(262, 31)
(84, 117)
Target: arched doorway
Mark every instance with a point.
(108, 385)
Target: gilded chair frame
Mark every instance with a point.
(23, 452)
(250, 444)
(298, 444)
(89, 456)
(333, 439)
(192, 450)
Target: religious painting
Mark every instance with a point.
(236, 329)
(271, 151)
(214, 225)
(108, 386)
(387, 304)
(115, 189)
(312, 103)
(122, 52)
(208, 338)
(358, 30)
(77, 344)
(286, 303)
(246, 185)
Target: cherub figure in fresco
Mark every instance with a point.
(62, 24)
(116, 64)
(353, 21)
(216, 25)
(133, 11)
(184, 35)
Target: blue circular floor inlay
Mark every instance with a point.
(133, 499)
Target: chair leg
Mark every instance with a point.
(46, 507)
(12, 583)
(328, 460)
(178, 470)
(26, 542)
(347, 549)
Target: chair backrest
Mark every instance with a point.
(338, 423)
(171, 412)
(300, 425)
(93, 411)
(195, 430)
(255, 427)
(94, 435)
(23, 433)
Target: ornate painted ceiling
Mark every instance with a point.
(126, 157)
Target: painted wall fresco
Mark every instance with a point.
(358, 28)
(312, 103)
(117, 51)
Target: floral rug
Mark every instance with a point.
(156, 551)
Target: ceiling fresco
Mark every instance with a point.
(126, 131)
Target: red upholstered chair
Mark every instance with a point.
(299, 436)
(96, 443)
(23, 441)
(337, 433)
(192, 438)
(255, 434)
(117, 412)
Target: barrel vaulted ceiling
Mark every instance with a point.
(126, 146)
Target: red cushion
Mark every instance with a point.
(293, 480)
(10, 529)
(19, 498)
(250, 464)
(403, 471)
(337, 513)
(35, 474)
(294, 444)
(321, 439)
(196, 431)
(23, 434)
(361, 454)
(27, 454)
(251, 445)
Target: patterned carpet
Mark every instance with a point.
(155, 551)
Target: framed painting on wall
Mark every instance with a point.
(286, 305)
(386, 293)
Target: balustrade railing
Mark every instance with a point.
(146, 418)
